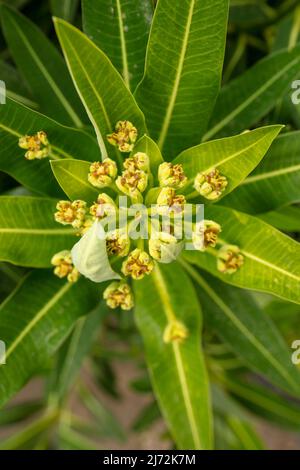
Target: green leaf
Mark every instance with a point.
(72, 176)
(120, 28)
(271, 259)
(239, 322)
(148, 146)
(248, 98)
(277, 178)
(177, 369)
(266, 403)
(43, 68)
(14, 85)
(235, 157)
(34, 321)
(65, 9)
(17, 120)
(89, 255)
(286, 218)
(183, 71)
(74, 351)
(102, 90)
(29, 235)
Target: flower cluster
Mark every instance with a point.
(137, 258)
(37, 145)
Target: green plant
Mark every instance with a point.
(176, 113)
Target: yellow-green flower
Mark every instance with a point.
(117, 243)
(103, 207)
(64, 266)
(139, 161)
(171, 175)
(206, 234)
(168, 201)
(137, 264)
(71, 213)
(132, 183)
(230, 259)
(102, 174)
(165, 248)
(37, 145)
(210, 184)
(124, 137)
(175, 331)
(119, 294)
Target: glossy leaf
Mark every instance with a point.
(65, 9)
(177, 369)
(271, 259)
(120, 29)
(29, 235)
(43, 68)
(275, 182)
(72, 176)
(248, 98)
(15, 88)
(34, 321)
(183, 71)
(235, 157)
(90, 257)
(286, 218)
(238, 321)
(102, 90)
(17, 120)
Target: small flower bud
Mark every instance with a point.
(137, 264)
(165, 248)
(139, 161)
(87, 223)
(64, 266)
(229, 259)
(171, 175)
(102, 173)
(72, 213)
(175, 331)
(210, 184)
(132, 183)
(104, 207)
(124, 136)
(168, 201)
(119, 294)
(117, 243)
(37, 145)
(206, 234)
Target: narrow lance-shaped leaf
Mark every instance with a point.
(72, 176)
(234, 157)
(183, 71)
(286, 218)
(271, 259)
(101, 88)
(120, 28)
(248, 98)
(43, 68)
(177, 368)
(34, 321)
(29, 235)
(14, 86)
(275, 182)
(90, 257)
(249, 332)
(16, 121)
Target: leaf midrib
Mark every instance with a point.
(37, 231)
(271, 174)
(248, 101)
(126, 74)
(173, 96)
(38, 317)
(235, 320)
(170, 314)
(48, 77)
